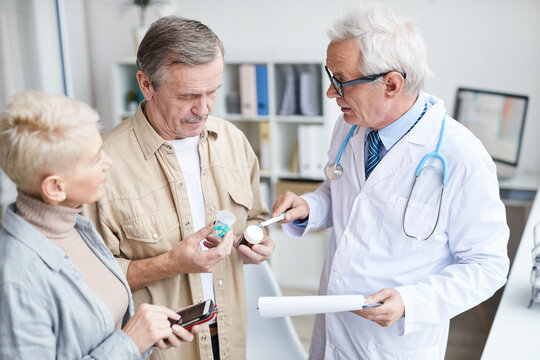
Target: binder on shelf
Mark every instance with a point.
(305, 152)
(321, 142)
(310, 91)
(264, 138)
(248, 90)
(289, 100)
(312, 150)
(261, 75)
(265, 192)
(293, 166)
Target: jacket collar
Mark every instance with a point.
(150, 141)
(24, 232)
(423, 132)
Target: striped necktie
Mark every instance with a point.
(374, 145)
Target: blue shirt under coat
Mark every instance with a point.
(392, 133)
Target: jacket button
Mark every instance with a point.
(220, 282)
(155, 236)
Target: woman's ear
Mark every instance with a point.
(145, 85)
(393, 83)
(53, 189)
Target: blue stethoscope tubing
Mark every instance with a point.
(345, 142)
(436, 154)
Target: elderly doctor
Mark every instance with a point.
(426, 254)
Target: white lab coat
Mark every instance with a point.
(463, 263)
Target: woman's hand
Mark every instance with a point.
(150, 326)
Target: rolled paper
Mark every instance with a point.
(278, 306)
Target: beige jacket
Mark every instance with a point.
(146, 212)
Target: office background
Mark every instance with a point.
(481, 43)
(487, 44)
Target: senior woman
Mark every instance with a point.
(62, 294)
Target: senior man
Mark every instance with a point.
(176, 167)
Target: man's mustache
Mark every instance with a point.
(195, 119)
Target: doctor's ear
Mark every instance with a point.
(53, 189)
(393, 83)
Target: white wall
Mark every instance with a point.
(490, 44)
(29, 58)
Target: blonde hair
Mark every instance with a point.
(39, 136)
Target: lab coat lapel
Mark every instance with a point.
(399, 156)
(357, 144)
(411, 147)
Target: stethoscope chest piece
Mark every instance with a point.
(333, 171)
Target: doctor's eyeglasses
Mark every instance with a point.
(339, 85)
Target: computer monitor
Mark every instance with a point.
(497, 119)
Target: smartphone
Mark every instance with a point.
(196, 314)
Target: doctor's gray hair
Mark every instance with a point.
(387, 42)
(174, 40)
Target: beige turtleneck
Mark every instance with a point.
(57, 223)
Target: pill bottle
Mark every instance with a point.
(224, 222)
(252, 236)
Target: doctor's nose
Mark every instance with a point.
(331, 92)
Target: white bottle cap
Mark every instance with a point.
(226, 217)
(253, 234)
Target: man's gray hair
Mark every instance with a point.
(175, 40)
(387, 42)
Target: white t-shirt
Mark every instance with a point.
(187, 153)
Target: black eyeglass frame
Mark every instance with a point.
(338, 85)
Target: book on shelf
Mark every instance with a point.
(248, 90)
(261, 75)
(264, 138)
(293, 166)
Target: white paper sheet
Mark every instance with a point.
(278, 306)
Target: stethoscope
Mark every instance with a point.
(334, 171)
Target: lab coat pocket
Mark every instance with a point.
(418, 222)
(379, 352)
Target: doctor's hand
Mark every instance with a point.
(258, 253)
(391, 310)
(292, 205)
